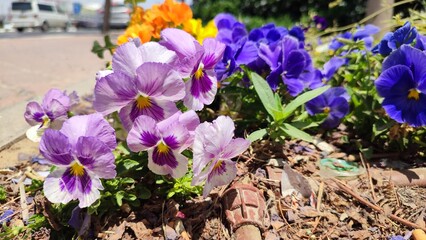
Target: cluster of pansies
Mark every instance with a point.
(146, 82)
(279, 54)
(168, 66)
(402, 81)
(148, 24)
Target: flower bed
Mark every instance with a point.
(195, 132)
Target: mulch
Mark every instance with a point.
(362, 207)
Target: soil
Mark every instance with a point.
(366, 206)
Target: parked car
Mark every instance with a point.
(120, 15)
(36, 14)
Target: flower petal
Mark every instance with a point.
(58, 95)
(89, 125)
(213, 52)
(56, 111)
(94, 155)
(113, 92)
(55, 147)
(172, 163)
(126, 59)
(235, 147)
(395, 81)
(143, 135)
(34, 113)
(160, 81)
(91, 194)
(53, 190)
(220, 175)
(200, 91)
(155, 52)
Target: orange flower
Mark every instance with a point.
(176, 13)
(143, 31)
(149, 24)
(137, 16)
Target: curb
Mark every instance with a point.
(12, 123)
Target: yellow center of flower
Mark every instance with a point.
(413, 94)
(143, 102)
(45, 122)
(326, 110)
(217, 165)
(199, 73)
(162, 148)
(77, 169)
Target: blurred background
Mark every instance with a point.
(89, 13)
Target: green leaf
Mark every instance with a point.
(119, 197)
(265, 93)
(129, 163)
(294, 132)
(257, 135)
(3, 194)
(143, 192)
(127, 180)
(300, 100)
(134, 1)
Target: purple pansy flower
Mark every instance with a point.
(361, 34)
(333, 102)
(214, 147)
(336, 44)
(188, 119)
(289, 63)
(230, 31)
(197, 63)
(269, 35)
(82, 153)
(420, 42)
(298, 33)
(393, 40)
(365, 34)
(324, 75)
(152, 92)
(52, 112)
(164, 143)
(402, 85)
(239, 50)
(129, 56)
(320, 22)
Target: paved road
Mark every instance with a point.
(32, 63)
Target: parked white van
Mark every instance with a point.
(37, 14)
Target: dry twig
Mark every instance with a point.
(370, 181)
(376, 208)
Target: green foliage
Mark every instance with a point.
(279, 112)
(35, 185)
(180, 188)
(3, 194)
(99, 50)
(37, 221)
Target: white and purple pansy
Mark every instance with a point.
(152, 92)
(82, 153)
(164, 143)
(214, 147)
(52, 112)
(196, 63)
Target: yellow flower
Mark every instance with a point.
(195, 28)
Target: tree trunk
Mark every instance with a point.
(383, 20)
(107, 15)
